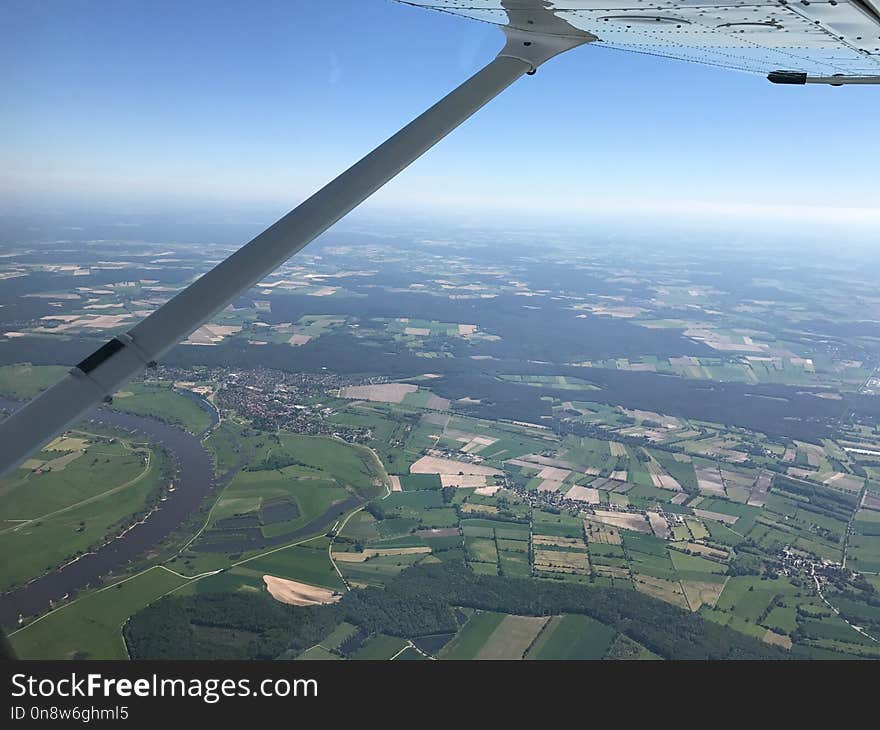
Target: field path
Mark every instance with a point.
(410, 645)
(88, 500)
(332, 540)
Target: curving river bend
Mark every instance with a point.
(194, 478)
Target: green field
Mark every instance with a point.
(81, 498)
(91, 627)
(162, 403)
(289, 481)
(24, 381)
(308, 563)
(380, 647)
(473, 635)
(572, 637)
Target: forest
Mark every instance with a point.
(419, 602)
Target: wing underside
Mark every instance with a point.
(837, 37)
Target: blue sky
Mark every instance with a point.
(234, 105)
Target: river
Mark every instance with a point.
(193, 480)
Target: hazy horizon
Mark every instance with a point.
(148, 108)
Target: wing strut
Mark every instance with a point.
(101, 374)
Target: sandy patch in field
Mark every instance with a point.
(298, 594)
(623, 520)
(680, 498)
(385, 393)
(619, 476)
(440, 465)
(771, 637)
(395, 484)
(378, 553)
(463, 480)
(467, 329)
(583, 494)
(417, 331)
(298, 340)
(31, 464)
(484, 491)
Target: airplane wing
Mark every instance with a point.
(791, 41)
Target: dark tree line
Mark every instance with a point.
(420, 601)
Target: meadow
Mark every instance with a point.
(69, 500)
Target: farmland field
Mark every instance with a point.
(91, 627)
(573, 637)
(519, 443)
(70, 500)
